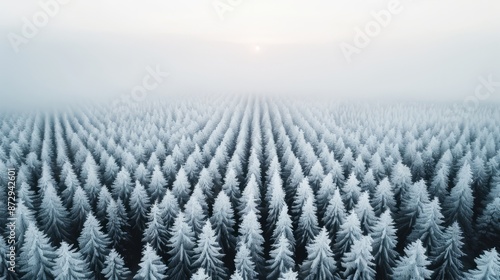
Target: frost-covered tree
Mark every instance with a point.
(245, 267)
(307, 227)
(114, 267)
(412, 204)
(116, 217)
(93, 243)
(383, 198)
(79, 209)
(231, 186)
(351, 191)
(250, 233)
(358, 262)
(281, 258)
(335, 214)
(458, 205)
(102, 202)
(181, 244)
(304, 191)
(440, 181)
(384, 244)
(69, 264)
(487, 266)
(208, 255)
(201, 275)
(289, 275)
(157, 185)
(365, 213)
(139, 206)
(325, 193)
(401, 180)
(141, 174)
(316, 175)
(53, 215)
(181, 187)
(156, 233)
(276, 201)
(320, 264)
(206, 183)
(488, 223)
(446, 261)
(70, 181)
(223, 221)
(413, 266)
(169, 208)
(194, 214)
(284, 226)
(151, 266)
(428, 226)
(37, 257)
(349, 231)
(122, 186)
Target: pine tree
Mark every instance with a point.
(488, 223)
(284, 226)
(351, 191)
(289, 275)
(439, 184)
(116, 222)
(365, 213)
(316, 175)
(413, 266)
(304, 191)
(358, 263)
(200, 275)
(335, 214)
(320, 264)
(141, 174)
(488, 266)
(156, 233)
(194, 215)
(206, 183)
(245, 266)
(122, 186)
(70, 181)
(151, 266)
(250, 233)
(69, 264)
(231, 186)
(383, 198)
(281, 258)
(114, 267)
(169, 208)
(384, 244)
(276, 201)
(428, 226)
(308, 222)
(349, 232)
(92, 185)
(181, 252)
(458, 205)
(223, 222)
(54, 217)
(208, 254)
(93, 243)
(79, 209)
(24, 216)
(447, 263)
(139, 206)
(102, 202)
(325, 193)
(412, 204)
(157, 185)
(37, 258)
(181, 187)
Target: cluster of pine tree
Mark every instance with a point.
(254, 188)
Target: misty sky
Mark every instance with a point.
(430, 50)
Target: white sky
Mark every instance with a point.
(433, 49)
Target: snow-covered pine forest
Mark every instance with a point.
(254, 188)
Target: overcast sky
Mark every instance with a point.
(98, 49)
